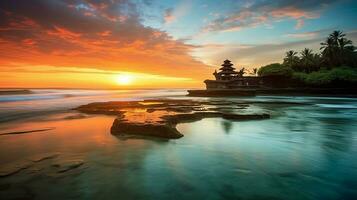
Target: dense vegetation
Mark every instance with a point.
(334, 66)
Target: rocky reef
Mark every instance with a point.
(159, 117)
(49, 164)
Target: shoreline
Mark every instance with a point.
(327, 92)
(15, 91)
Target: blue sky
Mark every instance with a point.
(282, 22)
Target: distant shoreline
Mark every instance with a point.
(14, 91)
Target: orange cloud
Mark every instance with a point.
(63, 35)
(292, 12)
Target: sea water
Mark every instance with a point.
(307, 150)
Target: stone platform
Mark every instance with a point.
(221, 92)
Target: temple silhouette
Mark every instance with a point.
(229, 78)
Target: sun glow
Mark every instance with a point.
(124, 79)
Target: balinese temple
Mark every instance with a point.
(229, 78)
(227, 72)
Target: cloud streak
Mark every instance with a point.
(265, 12)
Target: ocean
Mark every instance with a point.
(306, 150)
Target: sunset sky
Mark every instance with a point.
(155, 43)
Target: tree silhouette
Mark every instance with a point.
(253, 71)
(291, 59)
(241, 72)
(307, 60)
(337, 61)
(338, 50)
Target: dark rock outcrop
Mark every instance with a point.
(162, 130)
(158, 118)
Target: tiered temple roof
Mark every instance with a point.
(227, 72)
(227, 65)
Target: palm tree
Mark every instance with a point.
(336, 36)
(255, 71)
(291, 59)
(307, 60)
(346, 50)
(328, 51)
(344, 44)
(338, 50)
(241, 72)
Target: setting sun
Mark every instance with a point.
(124, 79)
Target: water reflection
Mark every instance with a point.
(227, 126)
